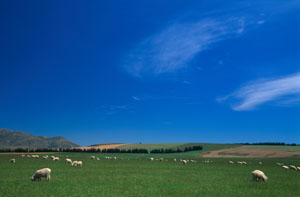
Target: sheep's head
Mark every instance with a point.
(32, 179)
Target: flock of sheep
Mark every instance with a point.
(257, 175)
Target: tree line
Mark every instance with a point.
(270, 143)
(94, 150)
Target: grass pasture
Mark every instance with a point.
(137, 176)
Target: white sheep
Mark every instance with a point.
(260, 163)
(45, 172)
(98, 159)
(12, 160)
(23, 155)
(68, 161)
(231, 162)
(285, 167)
(293, 167)
(298, 168)
(174, 160)
(93, 157)
(161, 159)
(45, 157)
(52, 157)
(184, 162)
(151, 159)
(77, 163)
(115, 158)
(259, 176)
(55, 159)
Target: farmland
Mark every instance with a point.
(135, 175)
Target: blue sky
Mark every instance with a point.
(151, 71)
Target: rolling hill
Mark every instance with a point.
(19, 139)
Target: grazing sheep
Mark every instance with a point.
(280, 164)
(151, 159)
(74, 163)
(12, 161)
(98, 158)
(293, 167)
(175, 160)
(231, 162)
(45, 172)
(93, 157)
(184, 162)
(259, 163)
(259, 176)
(77, 163)
(115, 158)
(161, 159)
(68, 161)
(28, 156)
(55, 159)
(23, 155)
(193, 161)
(52, 157)
(285, 167)
(45, 157)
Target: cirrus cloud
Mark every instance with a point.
(286, 90)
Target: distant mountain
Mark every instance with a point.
(19, 139)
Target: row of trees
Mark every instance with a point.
(93, 150)
(270, 143)
(186, 149)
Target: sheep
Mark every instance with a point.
(193, 161)
(259, 176)
(298, 168)
(231, 162)
(12, 160)
(161, 159)
(77, 163)
(280, 164)
(184, 162)
(259, 163)
(45, 172)
(23, 155)
(115, 158)
(55, 159)
(244, 163)
(174, 160)
(28, 156)
(93, 157)
(45, 157)
(68, 161)
(285, 167)
(151, 159)
(98, 158)
(293, 167)
(52, 157)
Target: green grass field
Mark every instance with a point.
(137, 176)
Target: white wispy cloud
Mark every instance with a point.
(285, 90)
(136, 98)
(260, 22)
(172, 48)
